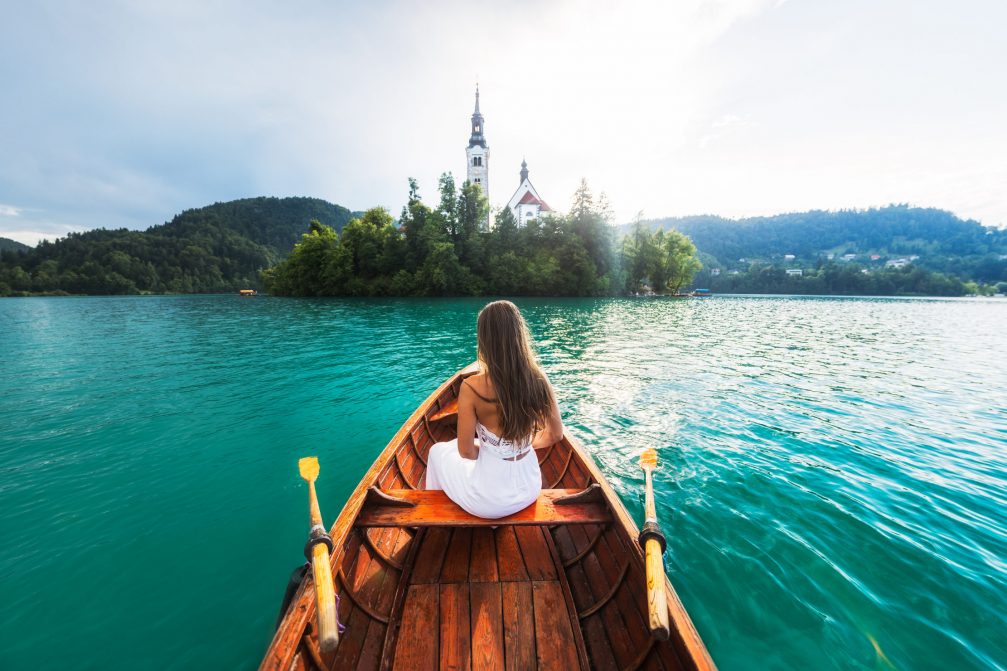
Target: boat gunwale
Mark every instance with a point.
(684, 632)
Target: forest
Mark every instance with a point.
(847, 279)
(447, 250)
(218, 248)
(8, 245)
(309, 247)
(939, 240)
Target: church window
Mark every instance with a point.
(478, 180)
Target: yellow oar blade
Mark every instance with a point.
(309, 468)
(649, 458)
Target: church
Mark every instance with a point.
(526, 204)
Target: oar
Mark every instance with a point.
(653, 544)
(320, 543)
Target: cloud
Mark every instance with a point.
(724, 126)
(132, 112)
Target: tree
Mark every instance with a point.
(366, 241)
(680, 259)
(317, 266)
(413, 221)
(588, 222)
(448, 208)
(472, 211)
(504, 237)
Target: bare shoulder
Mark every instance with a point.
(480, 383)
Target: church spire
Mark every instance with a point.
(477, 155)
(524, 171)
(477, 137)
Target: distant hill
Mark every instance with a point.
(8, 245)
(941, 241)
(221, 247)
(278, 223)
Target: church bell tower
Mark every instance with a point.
(478, 153)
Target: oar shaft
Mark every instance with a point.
(316, 512)
(328, 630)
(321, 570)
(657, 594)
(649, 507)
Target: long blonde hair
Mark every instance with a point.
(506, 354)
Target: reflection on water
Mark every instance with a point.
(833, 471)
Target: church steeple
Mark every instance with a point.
(524, 171)
(477, 137)
(477, 154)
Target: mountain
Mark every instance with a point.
(278, 223)
(8, 245)
(217, 248)
(941, 241)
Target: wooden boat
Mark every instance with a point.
(425, 585)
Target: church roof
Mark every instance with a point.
(530, 199)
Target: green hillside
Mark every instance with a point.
(221, 247)
(941, 241)
(278, 223)
(225, 246)
(8, 245)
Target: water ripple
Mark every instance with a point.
(833, 471)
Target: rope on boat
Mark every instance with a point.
(339, 625)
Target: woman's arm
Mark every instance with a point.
(467, 423)
(553, 430)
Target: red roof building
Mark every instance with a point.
(526, 204)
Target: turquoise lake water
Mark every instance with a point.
(833, 472)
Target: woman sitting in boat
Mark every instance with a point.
(511, 407)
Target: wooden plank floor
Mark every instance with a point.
(485, 599)
(512, 597)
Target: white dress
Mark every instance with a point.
(492, 485)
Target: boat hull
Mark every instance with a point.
(432, 593)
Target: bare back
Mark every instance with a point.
(477, 402)
(487, 407)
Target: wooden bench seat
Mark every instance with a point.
(432, 508)
(449, 410)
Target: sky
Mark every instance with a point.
(122, 114)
